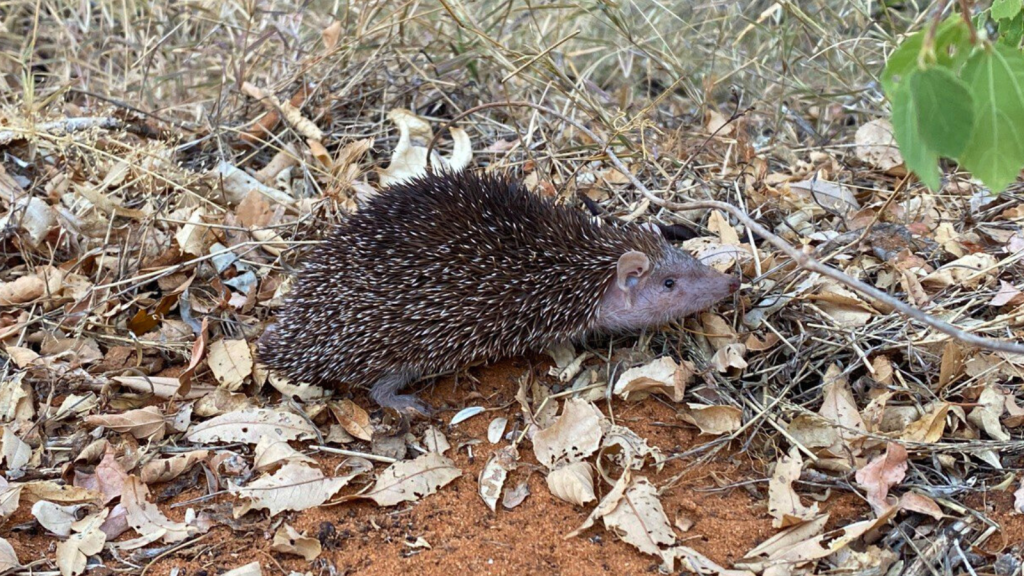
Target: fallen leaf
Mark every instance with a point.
(288, 540)
(167, 469)
(295, 486)
(16, 452)
(713, 420)
(353, 419)
(145, 518)
(270, 453)
(145, 423)
(493, 475)
(915, 502)
(412, 480)
(662, 375)
(986, 415)
(55, 518)
(575, 435)
(883, 473)
(73, 553)
(876, 145)
(8, 559)
(783, 502)
(231, 362)
(496, 429)
(573, 483)
(251, 425)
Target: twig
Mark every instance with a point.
(803, 260)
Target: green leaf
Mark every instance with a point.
(1005, 9)
(995, 152)
(952, 44)
(919, 159)
(1011, 32)
(944, 110)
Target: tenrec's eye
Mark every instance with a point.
(669, 283)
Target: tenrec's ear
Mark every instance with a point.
(631, 267)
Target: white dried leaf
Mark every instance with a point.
(663, 375)
(573, 483)
(8, 558)
(876, 145)
(411, 480)
(55, 518)
(294, 486)
(146, 518)
(145, 423)
(495, 472)
(575, 435)
(435, 440)
(288, 540)
(714, 420)
(251, 425)
(496, 429)
(16, 452)
(271, 452)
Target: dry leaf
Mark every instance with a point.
(883, 473)
(783, 502)
(915, 502)
(730, 356)
(986, 416)
(251, 569)
(167, 469)
(573, 483)
(270, 453)
(353, 419)
(287, 540)
(627, 449)
(146, 518)
(16, 452)
(575, 435)
(663, 376)
(8, 559)
(493, 475)
(496, 429)
(409, 158)
(145, 423)
(55, 518)
(231, 362)
(714, 420)
(839, 407)
(295, 486)
(411, 480)
(251, 425)
(435, 440)
(929, 427)
(876, 145)
(73, 553)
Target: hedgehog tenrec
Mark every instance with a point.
(445, 270)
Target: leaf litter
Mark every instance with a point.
(147, 250)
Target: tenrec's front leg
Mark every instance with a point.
(385, 393)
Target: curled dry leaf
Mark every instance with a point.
(237, 184)
(516, 496)
(714, 420)
(636, 515)
(627, 449)
(231, 362)
(288, 540)
(915, 502)
(271, 453)
(353, 419)
(575, 435)
(409, 158)
(411, 480)
(929, 427)
(495, 471)
(167, 469)
(33, 218)
(145, 423)
(663, 376)
(573, 483)
(783, 502)
(883, 473)
(303, 391)
(295, 486)
(146, 518)
(251, 425)
(839, 407)
(730, 356)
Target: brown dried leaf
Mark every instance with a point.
(915, 502)
(271, 453)
(353, 419)
(73, 552)
(167, 469)
(883, 473)
(876, 145)
(662, 375)
(145, 423)
(713, 420)
(294, 486)
(231, 362)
